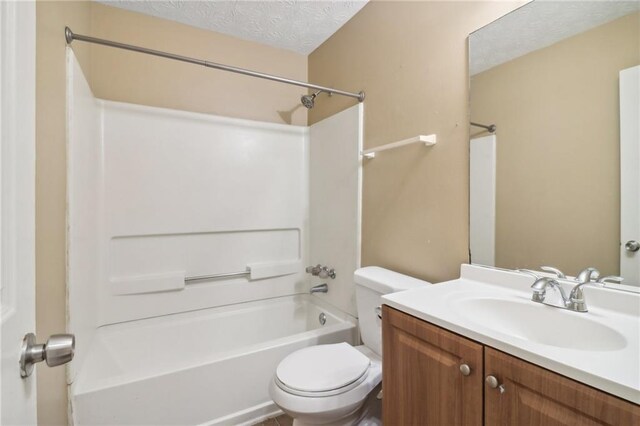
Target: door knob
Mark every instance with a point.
(58, 350)
(632, 246)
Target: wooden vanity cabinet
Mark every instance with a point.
(536, 396)
(425, 386)
(422, 381)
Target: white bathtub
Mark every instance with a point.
(211, 366)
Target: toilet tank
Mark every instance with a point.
(371, 283)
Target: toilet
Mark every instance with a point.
(329, 384)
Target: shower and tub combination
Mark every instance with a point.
(189, 236)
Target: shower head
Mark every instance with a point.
(309, 100)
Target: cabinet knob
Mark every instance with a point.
(465, 369)
(493, 383)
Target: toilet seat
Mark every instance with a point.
(322, 370)
(332, 392)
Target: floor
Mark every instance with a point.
(282, 420)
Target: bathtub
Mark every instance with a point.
(211, 366)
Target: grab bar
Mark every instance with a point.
(215, 276)
(256, 271)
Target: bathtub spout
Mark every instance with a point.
(322, 288)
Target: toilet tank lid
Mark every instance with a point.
(385, 281)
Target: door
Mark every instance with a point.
(17, 206)
(519, 393)
(431, 377)
(630, 175)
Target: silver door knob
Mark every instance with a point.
(493, 383)
(58, 350)
(632, 246)
(465, 369)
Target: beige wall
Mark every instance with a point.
(142, 79)
(135, 78)
(558, 184)
(411, 59)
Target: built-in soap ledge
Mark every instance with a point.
(176, 281)
(258, 271)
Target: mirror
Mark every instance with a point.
(557, 182)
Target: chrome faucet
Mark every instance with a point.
(320, 288)
(575, 301)
(321, 271)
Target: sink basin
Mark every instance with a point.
(539, 323)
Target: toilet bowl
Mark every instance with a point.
(329, 384)
(327, 391)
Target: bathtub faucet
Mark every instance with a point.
(321, 288)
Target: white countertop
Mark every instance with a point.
(614, 369)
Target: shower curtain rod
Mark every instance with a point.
(71, 36)
(491, 127)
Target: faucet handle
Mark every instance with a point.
(529, 272)
(539, 288)
(314, 270)
(558, 273)
(588, 275)
(610, 279)
(325, 272)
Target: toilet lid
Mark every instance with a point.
(322, 368)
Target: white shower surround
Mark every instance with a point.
(157, 195)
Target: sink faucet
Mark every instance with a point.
(575, 301)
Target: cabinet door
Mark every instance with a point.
(535, 396)
(422, 380)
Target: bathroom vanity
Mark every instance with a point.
(447, 361)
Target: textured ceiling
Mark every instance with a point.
(539, 24)
(295, 25)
